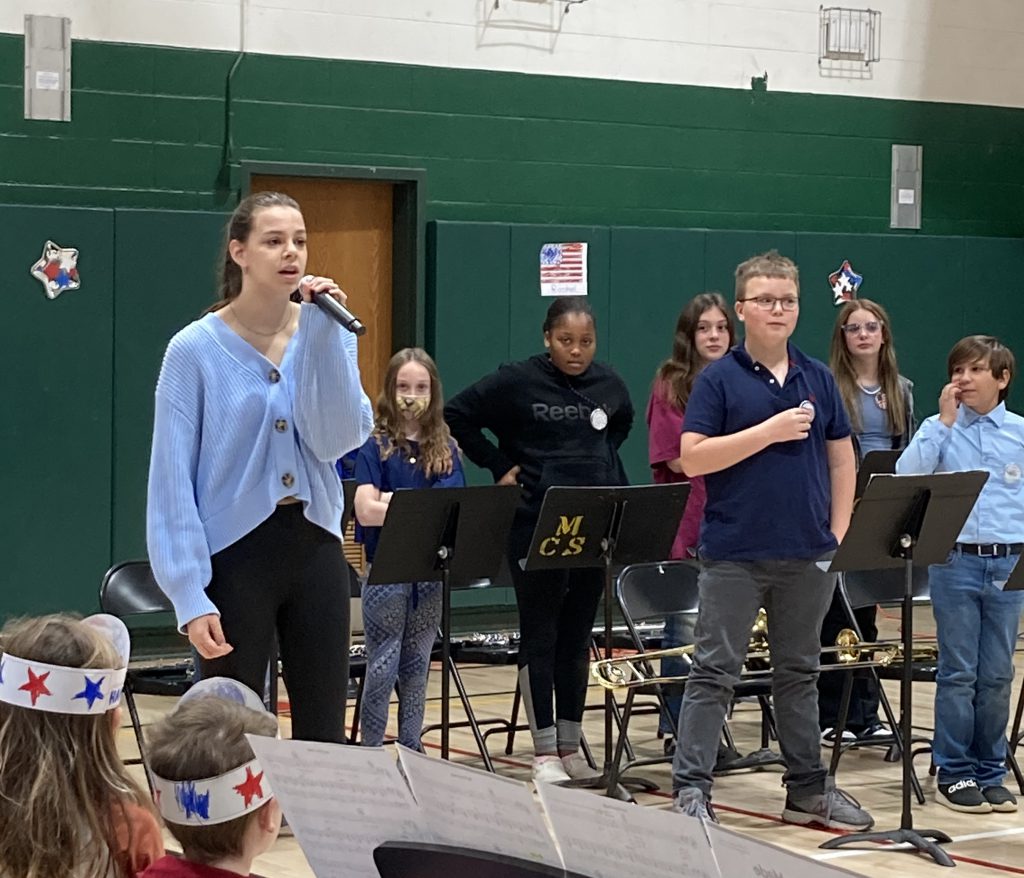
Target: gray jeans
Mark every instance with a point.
(796, 595)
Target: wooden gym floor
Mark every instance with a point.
(986, 845)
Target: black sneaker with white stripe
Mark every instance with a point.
(962, 795)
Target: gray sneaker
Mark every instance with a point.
(693, 803)
(832, 809)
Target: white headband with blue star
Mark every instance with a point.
(59, 689)
(56, 689)
(214, 799)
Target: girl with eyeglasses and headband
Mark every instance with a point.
(880, 404)
(410, 447)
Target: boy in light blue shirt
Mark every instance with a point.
(976, 619)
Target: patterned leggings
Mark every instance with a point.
(401, 622)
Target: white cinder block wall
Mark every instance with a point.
(965, 51)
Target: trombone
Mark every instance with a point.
(633, 671)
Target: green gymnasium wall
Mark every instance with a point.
(936, 289)
(152, 127)
(658, 179)
(86, 363)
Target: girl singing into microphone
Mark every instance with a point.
(255, 402)
(559, 419)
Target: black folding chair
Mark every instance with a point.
(410, 859)
(130, 592)
(652, 592)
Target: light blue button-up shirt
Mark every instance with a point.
(993, 443)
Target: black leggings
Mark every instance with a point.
(556, 617)
(288, 576)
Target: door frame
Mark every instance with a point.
(408, 232)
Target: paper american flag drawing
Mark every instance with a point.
(563, 269)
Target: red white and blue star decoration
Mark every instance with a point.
(57, 269)
(844, 283)
(58, 689)
(214, 799)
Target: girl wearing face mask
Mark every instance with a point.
(559, 419)
(410, 447)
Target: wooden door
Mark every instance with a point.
(350, 227)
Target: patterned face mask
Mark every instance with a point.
(414, 405)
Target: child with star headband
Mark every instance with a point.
(67, 804)
(410, 447)
(210, 789)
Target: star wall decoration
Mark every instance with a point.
(57, 269)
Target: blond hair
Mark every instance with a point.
(205, 738)
(62, 781)
(770, 264)
(435, 439)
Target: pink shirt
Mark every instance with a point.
(664, 427)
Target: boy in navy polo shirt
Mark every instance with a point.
(766, 427)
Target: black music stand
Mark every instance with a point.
(874, 463)
(907, 521)
(457, 535)
(601, 527)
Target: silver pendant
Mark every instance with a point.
(599, 419)
(881, 401)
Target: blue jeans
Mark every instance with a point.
(976, 625)
(678, 632)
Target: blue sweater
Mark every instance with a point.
(234, 434)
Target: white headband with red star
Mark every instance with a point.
(214, 799)
(59, 689)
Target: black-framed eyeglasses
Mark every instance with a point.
(870, 327)
(768, 303)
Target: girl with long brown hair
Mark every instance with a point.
(880, 404)
(68, 807)
(704, 333)
(255, 402)
(410, 447)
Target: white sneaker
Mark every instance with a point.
(829, 736)
(577, 767)
(549, 769)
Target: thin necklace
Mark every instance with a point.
(880, 398)
(287, 318)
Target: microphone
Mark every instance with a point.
(338, 312)
(333, 308)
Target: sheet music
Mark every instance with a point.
(468, 807)
(604, 838)
(341, 801)
(740, 856)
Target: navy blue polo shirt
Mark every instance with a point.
(397, 472)
(776, 504)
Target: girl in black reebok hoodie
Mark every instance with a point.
(559, 419)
